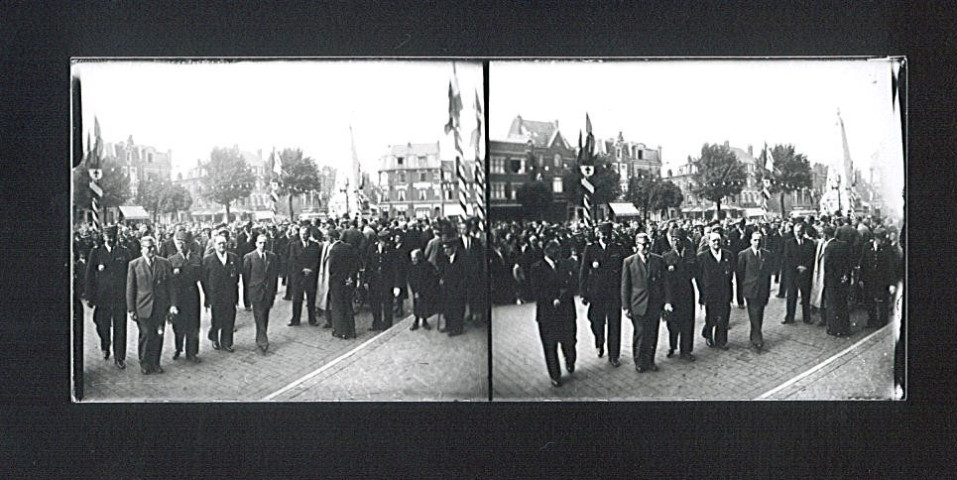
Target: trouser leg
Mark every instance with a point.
(596, 319)
(192, 337)
(756, 316)
(296, 305)
(686, 328)
(674, 333)
(739, 288)
(614, 329)
(261, 316)
(228, 320)
(550, 348)
(720, 315)
(311, 303)
(103, 319)
(387, 309)
(568, 349)
(155, 341)
(792, 293)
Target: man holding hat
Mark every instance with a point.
(600, 286)
(105, 287)
(187, 269)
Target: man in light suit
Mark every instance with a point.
(754, 269)
(642, 299)
(220, 281)
(261, 278)
(150, 297)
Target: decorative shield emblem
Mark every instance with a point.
(96, 174)
(587, 170)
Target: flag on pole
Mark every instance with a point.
(586, 163)
(454, 126)
(96, 173)
(478, 141)
(274, 191)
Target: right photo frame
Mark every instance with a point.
(697, 229)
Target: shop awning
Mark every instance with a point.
(754, 212)
(453, 209)
(263, 215)
(624, 209)
(133, 212)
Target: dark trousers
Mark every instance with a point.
(151, 339)
(877, 300)
(382, 302)
(681, 327)
(261, 317)
(550, 342)
(716, 322)
(756, 316)
(246, 302)
(799, 282)
(645, 339)
(838, 321)
(309, 288)
(111, 317)
(223, 321)
(186, 332)
(784, 275)
(739, 288)
(604, 311)
(340, 310)
(455, 316)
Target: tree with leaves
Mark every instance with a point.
(719, 174)
(177, 199)
(228, 177)
(299, 175)
(667, 195)
(150, 195)
(535, 198)
(792, 172)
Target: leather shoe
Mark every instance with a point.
(687, 356)
(641, 369)
(556, 382)
(194, 359)
(328, 325)
(176, 355)
(787, 322)
(292, 324)
(145, 371)
(710, 342)
(723, 347)
(229, 349)
(158, 369)
(216, 345)
(808, 321)
(415, 326)
(426, 325)
(614, 362)
(106, 354)
(653, 367)
(671, 353)
(570, 367)
(601, 351)
(120, 364)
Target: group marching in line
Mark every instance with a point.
(154, 276)
(651, 274)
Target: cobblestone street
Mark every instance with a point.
(393, 365)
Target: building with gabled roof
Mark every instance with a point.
(414, 181)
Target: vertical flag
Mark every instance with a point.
(454, 126)
(769, 167)
(96, 173)
(586, 163)
(478, 141)
(277, 171)
(356, 172)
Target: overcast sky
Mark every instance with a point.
(191, 107)
(681, 104)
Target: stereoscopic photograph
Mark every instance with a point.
(249, 230)
(696, 229)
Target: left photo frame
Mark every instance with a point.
(278, 230)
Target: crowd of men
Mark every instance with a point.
(652, 272)
(154, 275)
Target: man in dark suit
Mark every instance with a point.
(220, 281)
(755, 269)
(837, 271)
(105, 285)
(878, 275)
(304, 256)
(261, 278)
(150, 297)
(454, 279)
(187, 269)
(739, 238)
(715, 268)
(642, 299)
(473, 248)
(798, 272)
(600, 286)
(679, 293)
(343, 266)
(381, 271)
(553, 282)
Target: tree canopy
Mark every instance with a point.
(792, 171)
(299, 175)
(535, 198)
(228, 177)
(719, 174)
(647, 191)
